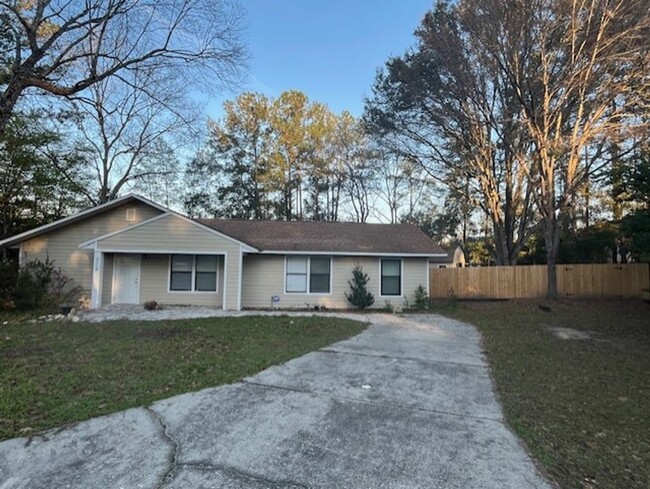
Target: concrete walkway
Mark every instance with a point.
(406, 404)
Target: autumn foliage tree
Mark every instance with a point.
(284, 158)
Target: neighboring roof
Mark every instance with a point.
(448, 258)
(78, 217)
(328, 237)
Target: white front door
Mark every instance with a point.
(126, 279)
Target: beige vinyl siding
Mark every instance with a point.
(107, 279)
(232, 272)
(154, 285)
(169, 233)
(263, 278)
(172, 233)
(415, 272)
(61, 245)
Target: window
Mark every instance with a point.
(319, 275)
(391, 277)
(181, 278)
(193, 273)
(296, 274)
(205, 279)
(130, 215)
(308, 275)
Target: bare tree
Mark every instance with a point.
(63, 47)
(162, 177)
(132, 127)
(579, 69)
(343, 155)
(392, 187)
(359, 184)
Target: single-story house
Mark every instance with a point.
(453, 258)
(132, 250)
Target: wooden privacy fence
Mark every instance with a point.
(529, 281)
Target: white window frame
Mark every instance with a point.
(193, 283)
(308, 257)
(401, 278)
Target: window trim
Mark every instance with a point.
(401, 278)
(308, 293)
(193, 283)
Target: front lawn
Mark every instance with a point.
(53, 374)
(581, 406)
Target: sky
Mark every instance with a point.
(328, 49)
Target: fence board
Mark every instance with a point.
(529, 281)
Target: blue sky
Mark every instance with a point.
(329, 49)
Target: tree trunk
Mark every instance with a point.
(552, 241)
(8, 101)
(551, 270)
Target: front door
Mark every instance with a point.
(126, 279)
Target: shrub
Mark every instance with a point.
(421, 298)
(61, 290)
(8, 278)
(32, 285)
(359, 296)
(41, 285)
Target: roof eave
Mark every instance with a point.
(352, 253)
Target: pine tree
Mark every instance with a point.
(360, 297)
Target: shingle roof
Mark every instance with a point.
(448, 258)
(320, 236)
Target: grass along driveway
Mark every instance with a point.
(581, 405)
(56, 373)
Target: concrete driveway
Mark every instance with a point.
(406, 404)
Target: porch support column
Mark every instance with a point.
(97, 279)
(239, 280)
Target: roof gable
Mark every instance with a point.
(332, 237)
(170, 232)
(88, 213)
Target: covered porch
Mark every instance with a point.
(169, 259)
(170, 279)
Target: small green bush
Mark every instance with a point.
(359, 296)
(40, 285)
(32, 285)
(8, 278)
(421, 298)
(61, 289)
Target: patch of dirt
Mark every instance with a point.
(572, 334)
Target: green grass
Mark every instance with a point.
(54, 374)
(581, 406)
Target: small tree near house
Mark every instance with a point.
(359, 296)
